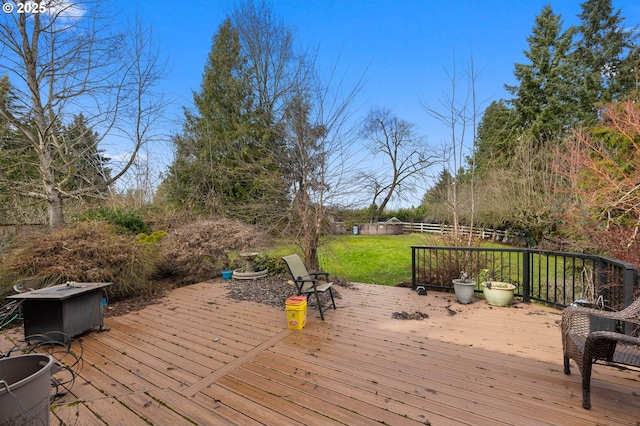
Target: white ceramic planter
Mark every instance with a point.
(464, 290)
(499, 294)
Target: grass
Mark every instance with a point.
(373, 259)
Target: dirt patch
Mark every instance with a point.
(133, 304)
(275, 290)
(417, 315)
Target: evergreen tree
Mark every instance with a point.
(438, 192)
(229, 159)
(16, 165)
(204, 174)
(605, 57)
(89, 173)
(496, 136)
(436, 200)
(543, 99)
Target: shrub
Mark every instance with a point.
(127, 219)
(95, 251)
(152, 239)
(271, 262)
(200, 250)
(88, 251)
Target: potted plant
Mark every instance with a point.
(497, 293)
(227, 270)
(464, 288)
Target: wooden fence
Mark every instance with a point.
(7, 231)
(438, 228)
(442, 229)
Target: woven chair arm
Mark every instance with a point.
(590, 312)
(577, 319)
(612, 347)
(577, 313)
(612, 335)
(573, 313)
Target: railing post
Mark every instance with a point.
(413, 268)
(600, 278)
(628, 284)
(526, 276)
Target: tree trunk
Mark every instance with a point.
(384, 203)
(55, 210)
(311, 256)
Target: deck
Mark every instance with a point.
(198, 357)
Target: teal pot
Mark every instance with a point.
(464, 290)
(498, 293)
(226, 274)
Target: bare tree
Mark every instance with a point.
(319, 138)
(64, 62)
(296, 105)
(139, 169)
(407, 155)
(459, 114)
(276, 68)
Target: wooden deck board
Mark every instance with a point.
(89, 401)
(153, 367)
(198, 349)
(201, 336)
(193, 411)
(237, 408)
(334, 390)
(198, 357)
(463, 381)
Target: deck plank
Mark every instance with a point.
(374, 402)
(193, 411)
(199, 357)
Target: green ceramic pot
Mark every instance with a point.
(498, 293)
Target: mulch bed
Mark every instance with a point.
(272, 290)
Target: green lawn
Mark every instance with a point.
(374, 259)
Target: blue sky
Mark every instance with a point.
(404, 48)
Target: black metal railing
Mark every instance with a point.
(555, 278)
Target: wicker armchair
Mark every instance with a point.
(586, 347)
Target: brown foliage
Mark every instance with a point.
(603, 166)
(96, 252)
(198, 251)
(86, 252)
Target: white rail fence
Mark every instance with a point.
(438, 228)
(393, 227)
